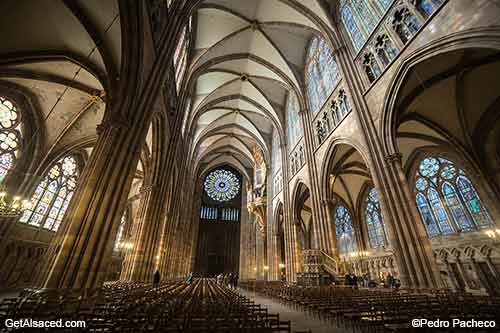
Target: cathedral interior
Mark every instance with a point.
(233, 165)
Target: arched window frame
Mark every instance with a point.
(359, 19)
(451, 208)
(373, 219)
(294, 123)
(322, 73)
(11, 135)
(54, 192)
(343, 247)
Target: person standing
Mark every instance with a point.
(156, 279)
(189, 279)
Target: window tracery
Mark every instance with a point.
(10, 136)
(446, 198)
(222, 185)
(344, 230)
(52, 195)
(322, 73)
(374, 220)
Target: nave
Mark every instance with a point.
(203, 306)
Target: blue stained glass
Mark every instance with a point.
(457, 192)
(426, 214)
(56, 225)
(429, 167)
(41, 208)
(357, 38)
(53, 212)
(58, 202)
(438, 209)
(293, 124)
(456, 208)
(473, 202)
(55, 184)
(48, 223)
(35, 219)
(6, 160)
(384, 4)
(322, 73)
(25, 216)
(374, 222)
(344, 231)
(47, 197)
(368, 17)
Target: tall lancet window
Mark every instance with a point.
(346, 239)
(446, 198)
(294, 124)
(322, 73)
(374, 221)
(360, 17)
(10, 136)
(52, 195)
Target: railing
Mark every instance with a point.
(315, 261)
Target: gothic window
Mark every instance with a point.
(344, 230)
(427, 7)
(181, 55)
(405, 24)
(344, 103)
(276, 162)
(52, 195)
(446, 198)
(10, 136)
(119, 234)
(372, 69)
(293, 121)
(385, 49)
(322, 73)
(360, 17)
(222, 185)
(374, 221)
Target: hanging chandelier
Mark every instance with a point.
(12, 206)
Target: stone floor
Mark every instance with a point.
(301, 320)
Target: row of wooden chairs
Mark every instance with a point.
(374, 310)
(203, 306)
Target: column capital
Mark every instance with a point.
(116, 121)
(329, 201)
(395, 157)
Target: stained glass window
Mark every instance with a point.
(446, 199)
(52, 195)
(222, 185)
(10, 136)
(360, 17)
(119, 234)
(322, 73)
(276, 162)
(346, 239)
(294, 125)
(181, 54)
(374, 221)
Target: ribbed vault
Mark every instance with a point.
(249, 55)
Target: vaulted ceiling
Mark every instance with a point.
(249, 55)
(60, 55)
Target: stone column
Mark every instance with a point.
(83, 251)
(411, 245)
(321, 229)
